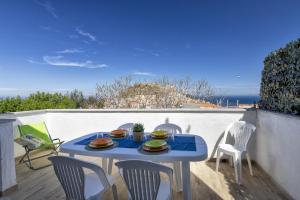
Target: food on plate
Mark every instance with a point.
(100, 142)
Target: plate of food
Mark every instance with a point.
(148, 149)
(99, 143)
(119, 133)
(155, 144)
(159, 134)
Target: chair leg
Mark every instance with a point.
(240, 168)
(110, 166)
(230, 161)
(249, 163)
(218, 160)
(28, 160)
(115, 191)
(177, 172)
(235, 164)
(23, 157)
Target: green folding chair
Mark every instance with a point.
(36, 137)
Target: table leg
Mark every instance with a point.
(104, 164)
(178, 176)
(110, 165)
(186, 174)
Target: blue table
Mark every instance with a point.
(73, 147)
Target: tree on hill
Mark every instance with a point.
(162, 93)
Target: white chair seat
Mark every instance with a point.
(228, 148)
(164, 191)
(93, 186)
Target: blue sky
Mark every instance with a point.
(59, 45)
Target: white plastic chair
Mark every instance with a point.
(241, 131)
(78, 184)
(173, 129)
(143, 180)
(170, 128)
(128, 127)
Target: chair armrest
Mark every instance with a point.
(56, 139)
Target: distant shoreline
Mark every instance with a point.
(234, 99)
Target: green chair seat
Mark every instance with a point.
(38, 130)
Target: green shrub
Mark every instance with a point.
(37, 101)
(280, 85)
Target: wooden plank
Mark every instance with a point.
(205, 183)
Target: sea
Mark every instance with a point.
(234, 99)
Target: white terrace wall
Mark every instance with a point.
(278, 149)
(69, 124)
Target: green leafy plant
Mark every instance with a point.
(280, 84)
(138, 127)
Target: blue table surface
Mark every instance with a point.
(179, 143)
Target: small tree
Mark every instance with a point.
(202, 90)
(77, 97)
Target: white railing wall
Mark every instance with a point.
(278, 149)
(69, 124)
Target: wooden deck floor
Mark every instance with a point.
(205, 182)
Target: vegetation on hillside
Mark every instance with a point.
(121, 93)
(37, 101)
(161, 93)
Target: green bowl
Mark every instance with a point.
(155, 143)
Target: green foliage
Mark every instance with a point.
(138, 127)
(92, 102)
(11, 104)
(37, 101)
(280, 85)
(77, 97)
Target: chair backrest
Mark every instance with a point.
(170, 128)
(241, 131)
(38, 130)
(128, 127)
(70, 174)
(143, 178)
